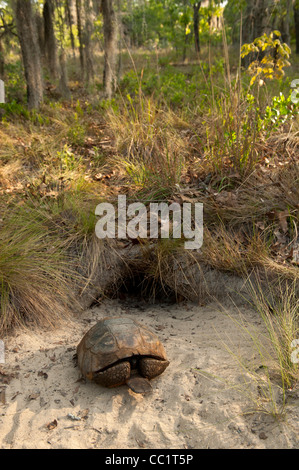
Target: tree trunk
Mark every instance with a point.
(50, 40)
(1, 60)
(88, 59)
(30, 52)
(255, 24)
(196, 8)
(296, 20)
(120, 30)
(40, 28)
(63, 82)
(63, 88)
(256, 19)
(285, 23)
(70, 23)
(80, 34)
(110, 45)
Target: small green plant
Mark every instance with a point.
(79, 109)
(280, 110)
(97, 156)
(67, 158)
(109, 104)
(76, 132)
(15, 109)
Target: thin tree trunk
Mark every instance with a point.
(50, 40)
(63, 79)
(63, 82)
(285, 24)
(186, 35)
(296, 20)
(196, 8)
(30, 53)
(89, 69)
(120, 39)
(185, 48)
(70, 22)
(1, 60)
(40, 27)
(110, 44)
(80, 33)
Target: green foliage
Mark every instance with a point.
(166, 23)
(109, 104)
(14, 81)
(67, 158)
(14, 109)
(295, 92)
(172, 86)
(280, 110)
(76, 132)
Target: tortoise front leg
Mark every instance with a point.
(114, 376)
(150, 367)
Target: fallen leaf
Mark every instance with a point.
(52, 425)
(282, 217)
(84, 413)
(260, 225)
(186, 199)
(281, 239)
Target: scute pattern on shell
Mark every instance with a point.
(113, 339)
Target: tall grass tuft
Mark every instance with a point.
(270, 375)
(279, 310)
(35, 273)
(150, 148)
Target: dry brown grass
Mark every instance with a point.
(150, 148)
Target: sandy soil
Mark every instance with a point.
(200, 401)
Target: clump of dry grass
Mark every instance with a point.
(34, 274)
(272, 375)
(279, 311)
(150, 148)
(230, 251)
(42, 245)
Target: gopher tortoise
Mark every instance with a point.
(120, 350)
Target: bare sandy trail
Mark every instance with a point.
(195, 403)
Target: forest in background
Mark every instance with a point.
(47, 35)
(175, 101)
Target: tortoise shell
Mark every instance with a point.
(114, 339)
